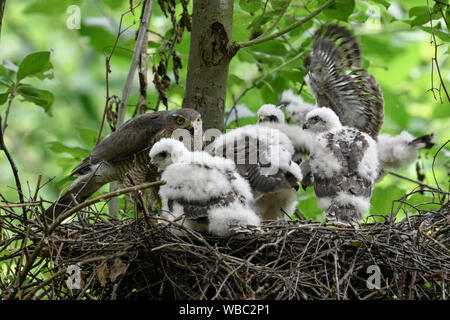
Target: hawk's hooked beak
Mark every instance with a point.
(306, 126)
(304, 185)
(191, 127)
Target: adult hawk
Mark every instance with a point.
(202, 192)
(123, 155)
(344, 165)
(263, 156)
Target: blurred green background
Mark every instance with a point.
(395, 45)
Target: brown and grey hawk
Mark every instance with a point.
(123, 155)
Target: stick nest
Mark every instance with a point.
(141, 258)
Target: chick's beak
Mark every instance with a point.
(261, 118)
(305, 126)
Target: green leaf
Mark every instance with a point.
(250, 5)
(5, 82)
(88, 136)
(76, 152)
(2, 71)
(34, 65)
(235, 80)
(42, 98)
(3, 97)
(152, 44)
(340, 10)
(421, 15)
(50, 7)
(245, 56)
(385, 3)
(382, 199)
(274, 47)
(308, 205)
(278, 4)
(440, 34)
(113, 4)
(8, 65)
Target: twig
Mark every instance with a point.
(277, 20)
(300, 22)
(2, 11)
(108, 70)
(14, 170)
(142, 73)
(18, 205)
(140, 43)
(256, 82)
(417, 182)
(434, 60)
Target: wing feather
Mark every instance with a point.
(337, 81)
(134, 136)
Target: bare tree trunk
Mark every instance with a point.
(211, 50)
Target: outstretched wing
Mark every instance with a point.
(337, 81)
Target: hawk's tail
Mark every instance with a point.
(347, 213)
(79, 190)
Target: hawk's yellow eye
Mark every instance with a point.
(180, 120)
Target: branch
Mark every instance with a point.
(140, 43)
(30, 261)
(142, 73)
(2, 10)
(275, 23)
(300, 22)
(416, 181)
(258, 81)
(14, 170)
(434, 60)
(108, 70)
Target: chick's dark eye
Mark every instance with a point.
(180, 120)
(163, 154)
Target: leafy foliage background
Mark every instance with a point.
(395, 40)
